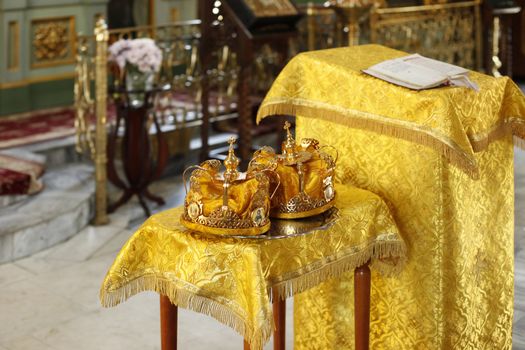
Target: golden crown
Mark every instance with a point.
(232, 203)
(306, 175)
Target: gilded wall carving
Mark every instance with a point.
(53, 41)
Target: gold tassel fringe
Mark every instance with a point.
(387, 257)
(189, 300)
(374, 252)
(519, 142)
(519, 133)
(454, 154)
(512, 126)
(449, 150)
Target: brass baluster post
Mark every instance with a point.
(101, 93)
(83, 101)
(496, 36)
(479, 41)
(310, 13)
(350, 11)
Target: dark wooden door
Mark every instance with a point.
(130, 13)
(518, 43)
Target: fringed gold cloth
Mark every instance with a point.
(456, 290)
(231, 279)
(456, 122)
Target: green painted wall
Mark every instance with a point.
(187, 10)
(55, 93)
(59, 92)
(42, 94)
(52, 94)
(36, 96)
(14, 100)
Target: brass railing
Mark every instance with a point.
(320, 28)
(448, 32)
(178, 105)
(92, 66)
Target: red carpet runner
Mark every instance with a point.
(19, 176)
(44, 126)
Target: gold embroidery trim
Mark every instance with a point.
(315, 208)
(334, 266)
(188, 296)
(245, 231)
(373, 122)
(512, 125)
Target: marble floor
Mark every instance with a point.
(49, 301)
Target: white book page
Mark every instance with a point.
(463, 81)
(405, 72)
(438, 66)
(392, 80)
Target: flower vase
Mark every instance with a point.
(137, 84)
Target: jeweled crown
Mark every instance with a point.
(231, 203)
(306, 174)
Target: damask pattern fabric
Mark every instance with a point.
(456, 290)
(443, 161)
(456, 122)
(232, 279)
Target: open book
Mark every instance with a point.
(418, 73)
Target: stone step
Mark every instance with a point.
(61, 210)
(56, 152)
(29, 224)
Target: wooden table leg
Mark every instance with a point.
(168, 324)
(362, 307)
(279, 316)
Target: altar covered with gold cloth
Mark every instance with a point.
(443, 160)
(234, 279)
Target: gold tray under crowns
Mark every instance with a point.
(282, 228)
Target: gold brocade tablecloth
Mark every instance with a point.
(231, 279)
(456, 290)
(457, 122)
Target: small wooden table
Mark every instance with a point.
(362, 284)
(236, 279)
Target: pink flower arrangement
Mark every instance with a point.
(142, 53)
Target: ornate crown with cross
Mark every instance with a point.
(229, 203)
(306, 174)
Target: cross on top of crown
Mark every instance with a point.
(287, 125)
(232, 140)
